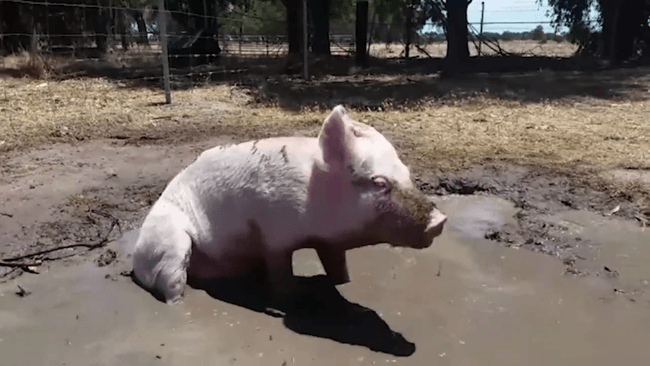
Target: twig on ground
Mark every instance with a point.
(421, 49)
(22, 292)
(13, 261)
(114, 221)
(4, 263)
(6, 274)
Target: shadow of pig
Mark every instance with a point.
(317, 309)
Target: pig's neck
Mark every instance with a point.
(330, 209)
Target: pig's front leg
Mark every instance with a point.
(282, 281)
(335, 264)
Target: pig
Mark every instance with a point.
(253, 204)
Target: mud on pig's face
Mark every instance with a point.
(381, 189)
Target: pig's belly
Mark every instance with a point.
(233, 264)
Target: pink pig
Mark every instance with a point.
(254, 203)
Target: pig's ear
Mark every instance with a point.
(334, 138)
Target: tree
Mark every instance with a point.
(57, 25)
(68, 25)
(137, 13)
(623, 22)
(14, 20)
(537, 34)
(320, 13)
(451, 16)
(457, 33)
(294, 25)
(320, 18)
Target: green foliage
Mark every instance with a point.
(254, 17)
(343, 10)
(579, 34)
(569, 12)
(390, 11)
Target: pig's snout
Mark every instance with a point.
(434, 228)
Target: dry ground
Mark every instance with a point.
(439, 49)
(450, 135)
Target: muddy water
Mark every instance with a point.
(619, 245)
(464, 301)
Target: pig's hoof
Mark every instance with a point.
(175, 300)
(275, 312)
(279, 308)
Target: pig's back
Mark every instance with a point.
(228, 189)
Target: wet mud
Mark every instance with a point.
(534, 267)
(540, 196)
(463, 301)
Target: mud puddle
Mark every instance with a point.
(464, 301)
(538, 194)
(613, 248)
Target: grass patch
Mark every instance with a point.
(603, 133)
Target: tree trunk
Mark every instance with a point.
(457, 34)
(630, 21)
(294, 25)
(120, 28)
(361, 33)
(621, 21)
(320, 15)
(408, 11)
(613, 37)
(98, 20)
(606, 7)
(10, 15)
(142, 27)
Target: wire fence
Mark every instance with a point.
(129, 40)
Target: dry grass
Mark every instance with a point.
(548, 134)
(41, 111)
(36, 110)
(608, 134)
(389, 50)
(526, 47)
(27, 64)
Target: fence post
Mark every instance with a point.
(305, 46)
(162, 19)
(361, 32)
(480, 40)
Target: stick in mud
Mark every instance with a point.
(12, 262)
(22, 292)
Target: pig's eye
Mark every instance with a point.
(381, 183)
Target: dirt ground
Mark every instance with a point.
(543, 261)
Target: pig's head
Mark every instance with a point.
(374, 191)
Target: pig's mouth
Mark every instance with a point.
(411, 220)
(434, 228)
